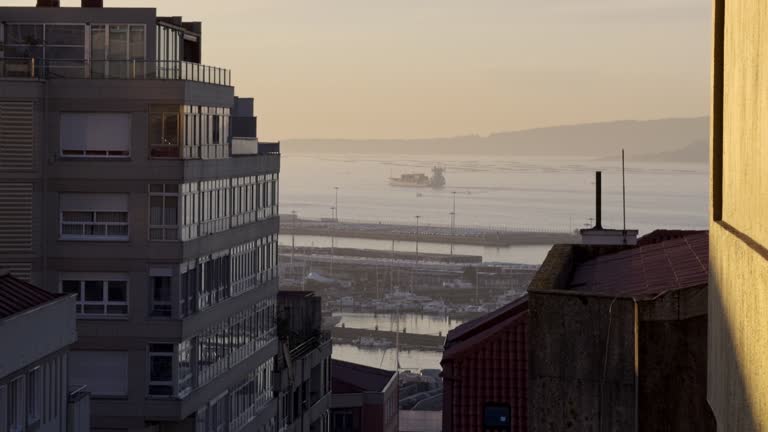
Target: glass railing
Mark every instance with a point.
(113, 69)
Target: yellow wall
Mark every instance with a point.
(737, 384)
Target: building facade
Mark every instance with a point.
(365, 399)
(303, 364)
(485, 372)
(618, 337)
(738, 325)
(37, 329)
(132, 177)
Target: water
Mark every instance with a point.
(412, 323)
(385, 358)
(517, 192)
(533, 254)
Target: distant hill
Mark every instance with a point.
(592, 140)
(697, 151)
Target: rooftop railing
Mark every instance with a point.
(113, 69)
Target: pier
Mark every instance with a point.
(427, 233)
(407, 340)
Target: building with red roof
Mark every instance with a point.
(364, 398)
(485, 372)
(618, 336)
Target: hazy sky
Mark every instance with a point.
(427, 68)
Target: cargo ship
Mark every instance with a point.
(420, 180)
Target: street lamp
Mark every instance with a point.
(336, 203)
(417, 238)
(333, 232)
(453, 221)
(293, 236)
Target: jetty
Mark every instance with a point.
(426, 233)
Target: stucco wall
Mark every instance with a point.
(738, 333)
(738, 293)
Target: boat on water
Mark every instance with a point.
(420, 180)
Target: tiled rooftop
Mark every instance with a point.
(17, 296)
(355, 378)
(648, 270)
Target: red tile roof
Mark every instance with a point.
(475, 333)
(349, 377)
(470, 328)
(17, 296)
(648, 270)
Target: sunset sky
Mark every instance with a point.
(433, 68)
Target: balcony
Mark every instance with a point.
(31, 68)
(252, 146)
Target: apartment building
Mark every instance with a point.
(131, 176)
(303, 364)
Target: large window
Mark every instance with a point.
(34, 395)
(96, 135)
(98, 295)
(164, 131)
(59, 49)
(232, 272)
(164, 212)
(117, 51)
(161, 370)
(16, 405)
(161, 294)
(94, 216)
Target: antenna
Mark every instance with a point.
(623, 193)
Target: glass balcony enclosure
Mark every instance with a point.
(102, 51)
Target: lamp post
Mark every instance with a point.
(417, 238)
(453, 221)
(333, 232)
(293, 236)
(336, 203)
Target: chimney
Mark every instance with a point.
(598, 200)
(92, 3)
(47, 3)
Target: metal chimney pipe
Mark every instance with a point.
(598, 200)
(48, 3)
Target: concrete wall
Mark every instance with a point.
(574, 383)
(673, 376)
(738, 294)
(51, 327)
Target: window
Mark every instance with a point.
(218, 414)
(161, 296)
(164, 212)
(164, 136)
(94, 216)
(161, 369)
(98, 297)
(16, 405)
(61, 47)
(104, 372)
(3, 408)
(185, 367)
(95, 135)
(117, 51)
(496, 416)
(34, 395)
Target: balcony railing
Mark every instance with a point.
(113, 69)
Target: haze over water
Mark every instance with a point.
(515, 192)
